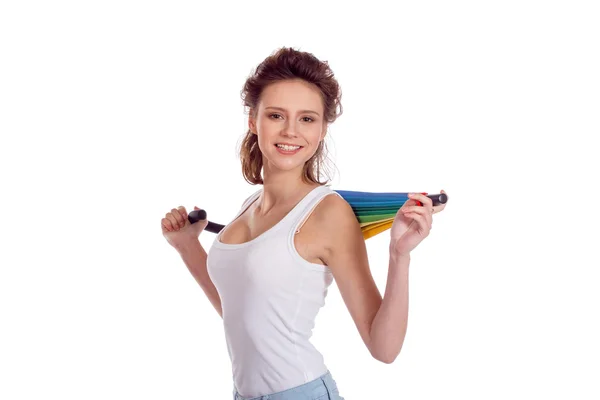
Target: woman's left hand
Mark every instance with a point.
(412, 223)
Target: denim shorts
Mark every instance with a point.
(322, 388)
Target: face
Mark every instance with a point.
(289, 112)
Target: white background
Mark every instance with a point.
(114, 112)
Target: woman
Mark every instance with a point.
(267, 273)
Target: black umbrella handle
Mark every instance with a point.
(200, 215)
(438, 198)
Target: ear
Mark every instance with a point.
(251, 122)
(324, 130)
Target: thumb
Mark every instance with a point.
(196, 208)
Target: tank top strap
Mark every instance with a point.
(307, 205)
(249, 200)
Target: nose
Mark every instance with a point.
(290, 128)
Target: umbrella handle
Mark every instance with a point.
(200, 215)
(437, 199)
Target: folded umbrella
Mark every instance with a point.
(375, 211)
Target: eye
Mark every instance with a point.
(309, 118)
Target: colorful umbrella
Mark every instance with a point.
(375, 211)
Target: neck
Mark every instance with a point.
(282, 189)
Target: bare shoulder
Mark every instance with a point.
(334, 207)
(337, 223)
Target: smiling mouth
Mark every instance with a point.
(292, 151)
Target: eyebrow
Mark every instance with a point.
(301, 111)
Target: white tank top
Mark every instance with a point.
(270, 297)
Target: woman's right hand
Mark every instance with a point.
(178, 230)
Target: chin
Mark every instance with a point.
(280, 165)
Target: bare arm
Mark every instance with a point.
(381, 322)
(194, 256)
(388, 329)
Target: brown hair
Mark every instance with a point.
(284, 64)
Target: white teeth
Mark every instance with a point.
(288, 148)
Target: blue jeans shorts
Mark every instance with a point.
(322, 388)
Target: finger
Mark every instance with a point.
(423, 210)
(419, 219)
(183, 213)
(167, 224)
(424, 225)
(173, 220)
(178, 217)
(422, 198)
